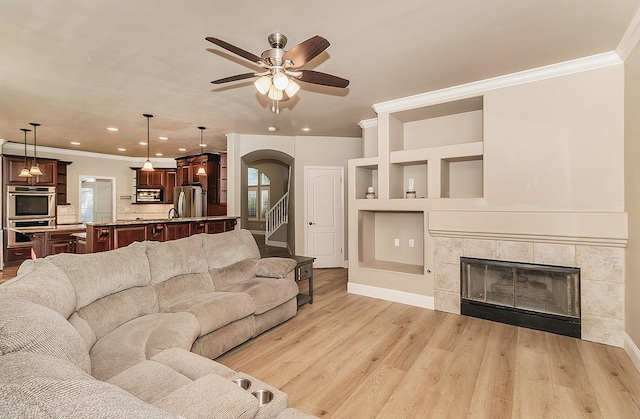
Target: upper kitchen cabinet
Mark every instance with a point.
(153, 179)
(187, 174)
(61, 183)
(13, 165)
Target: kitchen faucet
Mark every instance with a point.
(175, 213)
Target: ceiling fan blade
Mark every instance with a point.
(324, 79)
(234, 78)
(306, 51)
(238, 51)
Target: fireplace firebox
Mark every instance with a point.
(541, 297)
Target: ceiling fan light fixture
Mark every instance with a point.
(275, 93)
(147, 166)
(280, 80)
(263, 84)
(292, 88)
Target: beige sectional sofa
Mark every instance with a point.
(132, 332)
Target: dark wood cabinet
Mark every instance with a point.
(187, 168)
(170, 182)
(13, 165)
(61, 183)
(102, 238)
(16, 255)
(176, 230)
(153, 179)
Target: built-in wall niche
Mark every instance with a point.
(450, 123)
(401, 174)
(391, 240)
(366, 176)
(461, 177)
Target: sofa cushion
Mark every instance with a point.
(43, 283)
(108, 313)
(87, 399)
(29, 327)
(96, 275)
(234, 273)
(267, 292)
(191, 365)
(216, 309)
(149, 380)
(211, 396)
(18, 367)
(182, 287)
(141, 339)
(175, 257)
(275, 267)
(225, 249)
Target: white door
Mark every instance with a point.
(324, 213)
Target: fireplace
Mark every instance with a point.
(541, 297)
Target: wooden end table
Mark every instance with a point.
(304, 272)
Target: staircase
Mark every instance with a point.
(278, 214)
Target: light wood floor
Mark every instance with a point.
(348, 356)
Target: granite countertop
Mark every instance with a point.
(164, 220)
(59, 227)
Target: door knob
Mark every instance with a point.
(311, 223)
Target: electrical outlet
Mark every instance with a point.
(396, 242)
(412, 243)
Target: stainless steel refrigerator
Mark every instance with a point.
(189, 201)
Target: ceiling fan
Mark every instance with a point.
(282, 67)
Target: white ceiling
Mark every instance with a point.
(79, 66)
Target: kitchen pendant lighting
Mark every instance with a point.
(25, 169)
(35, 170)
(147, 167)
(201, 170)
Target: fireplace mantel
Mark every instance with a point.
(585, 228)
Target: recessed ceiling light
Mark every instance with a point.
(159, 154)
(122, 149)
(74, 143)
(163, 138)
(202, 145)
(272, 129)
(182, 149)
(305, 129)
(112, 129)
(142, 143)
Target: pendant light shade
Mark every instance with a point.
(35, 170)
(147, 167)
(201, 170)
(25, 169)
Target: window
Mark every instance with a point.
(257, 194)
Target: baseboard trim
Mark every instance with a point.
(631, 349)
(417, 300)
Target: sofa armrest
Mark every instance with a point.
(274, 267)
(209, 397)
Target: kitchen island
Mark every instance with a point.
(47, 241)
(112, 235)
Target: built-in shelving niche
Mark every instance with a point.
(440, 147)
(377, 231)
(366, 176)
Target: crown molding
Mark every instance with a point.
(630, 38)
(368, 123)
(18, 149)
(479, 87)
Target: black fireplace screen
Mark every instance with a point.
(552, 291)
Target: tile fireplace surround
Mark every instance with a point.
(593, 242)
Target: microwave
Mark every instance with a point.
(148, 195)
(28, 202)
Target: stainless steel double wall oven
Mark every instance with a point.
(29, 206)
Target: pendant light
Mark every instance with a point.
(201, 170)
(25, 169)
(147, 167)
(35, 170)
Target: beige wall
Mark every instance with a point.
(556, 144)
(632, 193)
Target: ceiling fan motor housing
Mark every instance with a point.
(277, 40)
